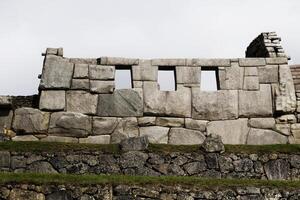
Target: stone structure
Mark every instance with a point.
(255, 102)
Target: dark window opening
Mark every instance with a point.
(209, 79)
(123, 77)
(166, 78)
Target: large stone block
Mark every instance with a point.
(118, 61)
(52, 100)
(188, 75)
(263, 137)
(70, 124)
(222, 104)
(252, 62)
(256, 103)
(278, 60)
(100, 72)
(166, 103)
(104, 125)
(170, 121)
(81, 71)
(196, 124)
(122, 103)
(145, 72)
(264, 123)
(102, 87)
(231, 131)
(251, 83)
(168, 62)
(81, 102)
(219, 62)
(80, 84)
(233, 77)
(57, 73)
(268, 74)
(147, 121)
(127, 127)
(182, 136)
(29, 120)
(155, 134)
(99, 139)
(4, 159)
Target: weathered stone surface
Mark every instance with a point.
(168, 62)
(52, 138)
(5, 101)
(256, 103)
(196, 124)
(147, 121)
(195, 167)
(212, 144)
(99, 139)
(4, 159)
(80, 84)
(104, 125)
(57, 73)
(137, 84)
(127, 127)
(52, 100)
(24, 138)
(144, 72)
(216, 62)
(277, 169)
(286, 119)
(6, 117)
(233, 77)
(250, 71)
(295, 161)
(29, 120)
(89, 61)
(264, 123)
(155, 134)
(122, 103)
(207, 105)
(59, 195)
(70, 124)
(134, 144)
(184, 136)
(167, 103)
(42, 167)
(263, 136)
(278, 60)
(118, 61)
(268, 74)
(81, 71)
(102, 87)
(284, 129)
(231, 131)
(188, 75)
(19, 194)
(251, 83)
(252, 62)
(170, 121)
(81, 102)
(100, 72)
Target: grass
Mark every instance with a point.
(42, 179)
(158, 148)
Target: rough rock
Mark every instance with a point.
(29, 120)
(207, 105)
(212, 144)
(263, 123)
(104, 125)
(170, 121)
(286, 119)
(147, 121)
(263, 137)
(144, 72)
(100, 72)
(59, 195)
(155, 134)
(195, 167)
(102, 87)
(284, 129)
(133, 159)
(24, 138)
(19, 194)
(134, 144)
(277, 169)
(42, 167)
(243, 165)
(4, 159)
(268, 74)
(295, 161)
(52, 100)
(127, 127)
(99, 139)
(196, 124)
(122, 103)
(81, 71)
(70, 124)
(80, 84)
(231, 131)
(184, 136)
(81, 102)
(256, 103)
(52, 138)
(57, 73)
(6, 118)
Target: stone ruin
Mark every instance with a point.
(255, 102)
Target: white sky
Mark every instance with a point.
(135, 28)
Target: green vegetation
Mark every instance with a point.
(163, 148)
(33, 178)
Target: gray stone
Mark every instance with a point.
(155, 134)
(263, 136)
(278, 60)
(52, 138)
(89, 61)
(231, 131)
(219, 62)
(213, 144)
(82, 102)
(268, 74)
(51, 51)
(147, 121)
(195, 167)
(99, 139)
(170, 121)
(59, 195)
(284, 129)
(286, 119)
(52, 100)
(243, 165)
(137, 84)
(20, 194)
(295, 161)
(102, 87)
(80, 84)
(167, 103)
(144, 72)
(5, 101)
(100, 72)
(4, 159)
(6, 117)
(251, 83)
(29, 120)
(277, 169)
(168, 62)
(256, 103)
(207, 105)
(182, 136)
(233, 77)
(42, 167)
(134, 144)
(57, 73)
(70, 124)
(252, 62)
(196, 124)
(188, 75)
(104, 125)
(250, 71)
(132, 159)
(118, 61)
(264, 123)
(122, 103)
(24, 138)
(127, 127)
(81, 71)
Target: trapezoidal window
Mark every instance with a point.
(123, 77)
(209, 79)
(166, 78)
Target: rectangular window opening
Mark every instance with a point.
(123, 77)
(167, 78)
(209, 79)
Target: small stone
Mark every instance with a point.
(196, 124)
(146, 121)
(170, 121)
(102, 87)
(41, 167)
(4, 159)
(195, 167)
(134, 144)
(277, 169)
(104, 125)
(213, 143)
(295, 161)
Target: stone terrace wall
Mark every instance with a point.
(255, 103)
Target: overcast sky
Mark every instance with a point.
(135, 28)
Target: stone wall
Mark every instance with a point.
(255, 103)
